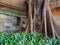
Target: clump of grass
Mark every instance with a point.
(26, 39)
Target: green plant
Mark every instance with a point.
(26, 39)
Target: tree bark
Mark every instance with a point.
(30, 16)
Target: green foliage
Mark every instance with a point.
(26, 39)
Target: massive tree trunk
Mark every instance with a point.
(43, 19)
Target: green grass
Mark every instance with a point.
(26, 39)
